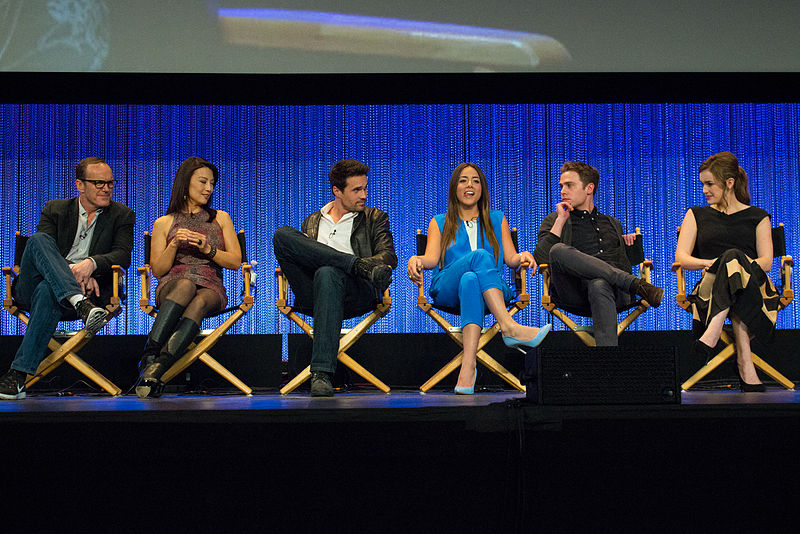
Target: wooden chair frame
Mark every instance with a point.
(67, 351)
(454, 333)
(786, 297)
(348, 338)
(639, 307)
(199, 350)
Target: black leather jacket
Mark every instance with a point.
(371, 237)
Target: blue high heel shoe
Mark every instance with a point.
(515, 343)
(464, 390)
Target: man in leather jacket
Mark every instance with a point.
(338, 266)
(590, 270)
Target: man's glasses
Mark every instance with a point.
(99, 184)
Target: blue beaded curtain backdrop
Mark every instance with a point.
(274, 162)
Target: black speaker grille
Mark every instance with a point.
(609, 375)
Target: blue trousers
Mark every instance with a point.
(462, 283)
(45, 283)
(323, 286)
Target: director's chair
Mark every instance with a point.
(522, 300)
(786, 297)
(67, 351)
(348, 337)
(635, 255)
(198, 351)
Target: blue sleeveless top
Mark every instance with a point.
(460, 247)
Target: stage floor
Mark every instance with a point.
(369, 405)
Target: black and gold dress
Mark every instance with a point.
(735, 280)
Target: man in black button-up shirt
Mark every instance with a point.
(590, 271)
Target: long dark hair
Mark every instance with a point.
(451, 218)
(724, 165)
(178, 199)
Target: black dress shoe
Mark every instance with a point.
(701, 351)
(751, 388)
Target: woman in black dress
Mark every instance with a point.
(731, 242)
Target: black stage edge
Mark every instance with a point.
(400, 88)
(404, 361)
(401, 462)
(255, 359)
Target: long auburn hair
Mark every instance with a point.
(178, 199)
(451, 219)
(724, 165)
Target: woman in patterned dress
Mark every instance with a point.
(731, 241)
(190, 246)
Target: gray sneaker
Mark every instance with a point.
(92, 316)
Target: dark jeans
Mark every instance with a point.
(585, 285)
(324, 288)
(45, 283)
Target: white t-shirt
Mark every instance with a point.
(336, 234)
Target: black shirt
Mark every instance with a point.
(595, 236)
(718, 231)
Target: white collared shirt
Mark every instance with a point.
(336, 234)
(83, 236)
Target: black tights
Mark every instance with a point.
(198, 301)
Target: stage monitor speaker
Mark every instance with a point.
(606, 375)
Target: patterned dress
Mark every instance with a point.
(735, 280)
(189, 263)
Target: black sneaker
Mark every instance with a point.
(376, 273)
(93, 317)
(12, 385)
(321, 385)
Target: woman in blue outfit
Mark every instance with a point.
(466, 248)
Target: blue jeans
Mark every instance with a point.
(44, 284)
(323, 287)
(462, 283)
(585, 285)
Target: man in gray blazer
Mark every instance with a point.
(585, 249)
(65, 271)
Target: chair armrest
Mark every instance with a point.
(8, 273)
(283, 288)
(144, 280)
(680, 298)
(522, 274)
(544, 270)
(117, 274)
(786, 273)
(421, 299)
(246, 276)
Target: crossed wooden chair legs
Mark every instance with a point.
(345, 342)
(726, 353)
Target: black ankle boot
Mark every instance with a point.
(150, 384)
(168, 316)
